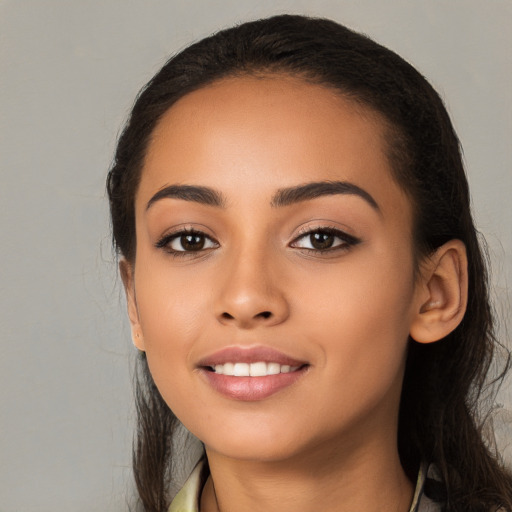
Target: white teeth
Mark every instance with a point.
(241, 370)
(273, 368)
(259, 369)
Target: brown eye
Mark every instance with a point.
(186, 241)
(324, 240)
(321, 240)
(190, 242)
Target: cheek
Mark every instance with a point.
(169, 301)
(363, 313)
(171, 313)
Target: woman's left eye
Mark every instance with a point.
(323, 240)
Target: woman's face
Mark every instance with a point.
(273, 285)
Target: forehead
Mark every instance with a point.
(261, 133)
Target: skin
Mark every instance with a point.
(329, 438)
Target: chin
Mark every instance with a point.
(254, 451)
(253, 443)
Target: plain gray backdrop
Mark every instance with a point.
(69, 71)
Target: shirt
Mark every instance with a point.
(187, 499)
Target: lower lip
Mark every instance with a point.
(251, 389)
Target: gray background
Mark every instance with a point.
(69, 71)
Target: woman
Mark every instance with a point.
(303, 279)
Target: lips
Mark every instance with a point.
(250, 374)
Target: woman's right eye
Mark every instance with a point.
(187, 241)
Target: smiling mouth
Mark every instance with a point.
(251, 373)
(251, 382)
(257, 369)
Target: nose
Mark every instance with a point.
(252, 293)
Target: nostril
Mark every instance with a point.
(263, 315)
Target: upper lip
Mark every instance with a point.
(249, 355)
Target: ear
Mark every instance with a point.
(441, 293)
(126, 271)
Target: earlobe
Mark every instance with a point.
(126, 271)
(441, 296)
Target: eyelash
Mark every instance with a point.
(347, 241)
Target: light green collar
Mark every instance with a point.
(187, 500)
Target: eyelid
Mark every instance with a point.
(185, 228)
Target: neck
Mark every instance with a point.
(368, 477)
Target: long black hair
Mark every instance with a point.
(440, 412)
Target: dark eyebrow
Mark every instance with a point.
(288, 196)
(197, 194)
